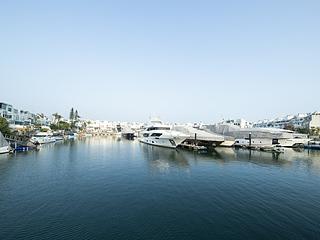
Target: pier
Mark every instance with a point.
(20, 143)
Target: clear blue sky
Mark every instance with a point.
(181, 60)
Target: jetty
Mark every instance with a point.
(20, 143)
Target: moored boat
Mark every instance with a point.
(4, 145)
(71, 135)
(314, 145)
(58, 136)
(159, 134)
(43, 138)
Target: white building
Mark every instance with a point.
(6, 111)
(297, 121)
(237, 122)
(101, 127)
(15, 116)
(315, 121)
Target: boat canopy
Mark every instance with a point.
(3, 141)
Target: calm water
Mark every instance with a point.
(101, 188)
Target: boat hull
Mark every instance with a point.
(227, 144)
(163, 142)
(58, 138)
(4, 150)
(42, 140)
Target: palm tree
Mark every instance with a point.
(56, 118)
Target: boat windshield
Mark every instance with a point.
(40, 135)
(156, 134)
(158, 128)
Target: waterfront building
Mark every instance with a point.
(15, 116)
(242, 123)
(101, 127)
(42, 120)
(6, 111)
(25, 118)
(314, 123)
(298, 121)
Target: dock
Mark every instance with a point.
(19, 143)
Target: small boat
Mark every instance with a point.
(4, 145)
(314, 145)
(58, 136)
(128, 133)
(42, 138)
(276, 149)
(23, 148)
(71, 135)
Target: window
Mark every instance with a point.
(158, 128)
(172, 142)
(146, 134)
(156, 134)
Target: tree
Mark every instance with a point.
(54, 127)
(84, 126)
(315, 131)
(4, 126)
(64, 125)
(57, 117)
(71, 116)
(289, 127)
(44, 129)
(76, 116)
(303, 130)
(60, 126)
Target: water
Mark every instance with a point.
(102, 188)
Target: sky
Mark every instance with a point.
(184, 61)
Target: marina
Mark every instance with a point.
(168, 135)
(159, 120)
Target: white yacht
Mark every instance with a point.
(43, 138)
(258, 142)
(293, 142)
(159, 134)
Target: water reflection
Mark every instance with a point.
(163, 158)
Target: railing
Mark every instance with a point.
(16, 138)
